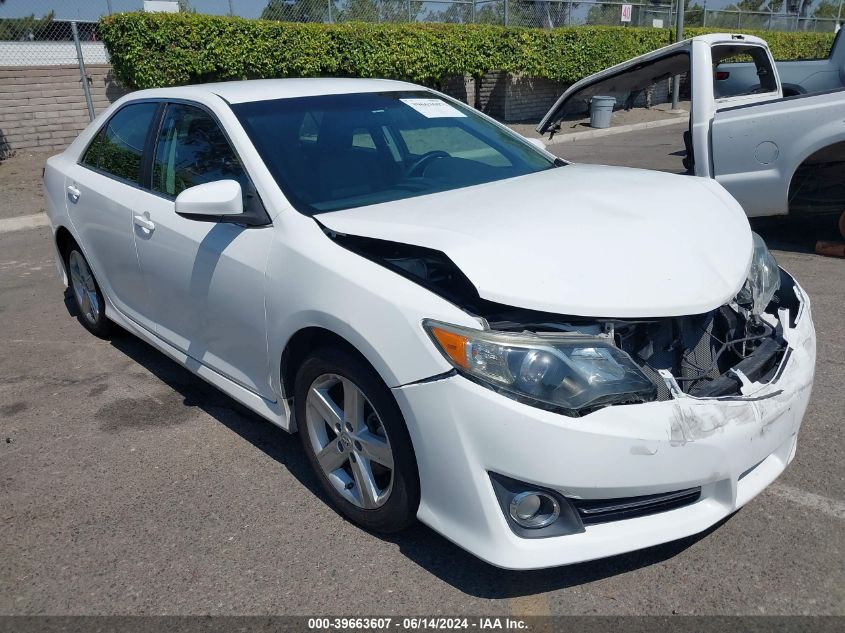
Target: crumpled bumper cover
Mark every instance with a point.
(732, 447)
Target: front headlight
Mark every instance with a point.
(564, 371)
(763, 279)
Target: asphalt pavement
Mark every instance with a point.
(129, 486)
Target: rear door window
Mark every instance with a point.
(118, 147)
(741, 70)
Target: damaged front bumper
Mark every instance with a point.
(730, 447)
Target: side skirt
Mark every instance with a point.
(279, 412)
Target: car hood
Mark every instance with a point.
(581, 240)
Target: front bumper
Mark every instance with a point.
(732, 447)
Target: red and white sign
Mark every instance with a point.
(627, 10)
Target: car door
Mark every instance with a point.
(102, 191)
(629, 82)
(205, 279)
(750, 128)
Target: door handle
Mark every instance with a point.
(143, 222)
(74, 193)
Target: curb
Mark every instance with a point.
(37, 220)
(622, 129)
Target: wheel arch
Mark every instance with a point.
(307, 339)
(64, 241)
(824, 151)
(792, 90)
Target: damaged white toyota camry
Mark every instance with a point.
(544, 362)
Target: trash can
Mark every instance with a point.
(601, 108)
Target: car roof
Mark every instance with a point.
(269, 89)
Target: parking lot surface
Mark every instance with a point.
(129, 486)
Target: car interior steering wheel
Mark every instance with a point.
(419, 164)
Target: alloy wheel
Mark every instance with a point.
(84, 287)
(349, 441)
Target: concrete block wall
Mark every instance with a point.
(509, 98)
(42, 108)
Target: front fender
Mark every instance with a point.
(314, 282)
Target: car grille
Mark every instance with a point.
(594, 511)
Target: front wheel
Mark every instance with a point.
(356, 441)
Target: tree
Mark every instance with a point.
(694, 14)
(29, 28)
(827, 9)
(540, 14)
(297, 10)
(381, 10)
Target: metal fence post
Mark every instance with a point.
(331, 19)
(679, 35)
(82, 73)
(109, 7)
(506, 11)
(231, 8)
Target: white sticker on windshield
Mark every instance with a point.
(433, 108)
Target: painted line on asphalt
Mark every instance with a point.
(622, 129)
(825, 505)
(21, 223)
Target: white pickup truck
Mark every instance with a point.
(777, 149)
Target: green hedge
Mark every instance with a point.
(155, 49)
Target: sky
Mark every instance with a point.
(93, 9)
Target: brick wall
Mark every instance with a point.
(43, 107)
(520, 98)
(509, 98)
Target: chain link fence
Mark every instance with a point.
(820, 15)
(533, 13)
(49, 42)
(779, 15)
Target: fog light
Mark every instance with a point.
(533, 509)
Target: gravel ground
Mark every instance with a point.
(20, 182)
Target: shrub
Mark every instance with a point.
(156, 49)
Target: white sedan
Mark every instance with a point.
(544, 362)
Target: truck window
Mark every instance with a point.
(741, 69)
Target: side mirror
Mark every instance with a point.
(212, 202)
(536, 142)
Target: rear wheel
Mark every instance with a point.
(87, 295)
(356, 441)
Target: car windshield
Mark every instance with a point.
(336, 152)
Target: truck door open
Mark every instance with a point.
(638, 83)
(748, 132)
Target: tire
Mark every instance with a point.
(354, 447)
(86, 293)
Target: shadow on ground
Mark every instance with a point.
(420, 544)
(797, 234)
